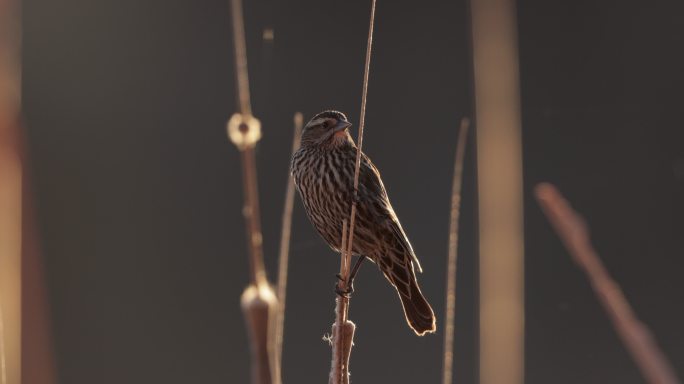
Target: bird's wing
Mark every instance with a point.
(372, 192)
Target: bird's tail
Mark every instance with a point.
(417, 310)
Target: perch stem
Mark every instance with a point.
(362, 120)
(636, 337)
(343, 329)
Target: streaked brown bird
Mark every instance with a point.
(323, 170)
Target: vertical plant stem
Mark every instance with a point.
(634, 334)
(11, 194)
(240, 46)
(500, 198)
(3, 361)
(343, 329)
(259, 302)
(362, 120)
(286, 229)
(448, 358)
(11, 176)
(251, 213)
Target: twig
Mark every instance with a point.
(448, 363)
(343, 329)
(283, 258)
(636, 337)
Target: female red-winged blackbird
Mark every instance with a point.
(323, 170)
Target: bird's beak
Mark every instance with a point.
(341, 126)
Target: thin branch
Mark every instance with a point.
(448, 362)
(286, 229)
(343, 329)
(636, 337)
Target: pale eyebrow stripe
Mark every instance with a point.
(317, 121)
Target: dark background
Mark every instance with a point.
(139, 194)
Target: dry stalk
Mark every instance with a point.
(636, 337)
(240, 46)
(499, 193)
(448, 362)
(11, 191)
(259, 301)
(343, 329)
(284, 255)
(3, 362)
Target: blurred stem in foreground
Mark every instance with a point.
(500, 199)
(634, 334)
(11, 180)
(448, 358)
(26, 354)
(259, 301)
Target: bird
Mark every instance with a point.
(323, 170)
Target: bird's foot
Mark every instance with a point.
(344, 292)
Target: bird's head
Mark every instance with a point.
(328, 128)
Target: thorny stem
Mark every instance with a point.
(634, 334)
(448, 362)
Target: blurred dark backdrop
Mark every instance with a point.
(139, 197)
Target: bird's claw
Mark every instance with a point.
(343, 292)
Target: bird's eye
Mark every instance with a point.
(326, 124)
